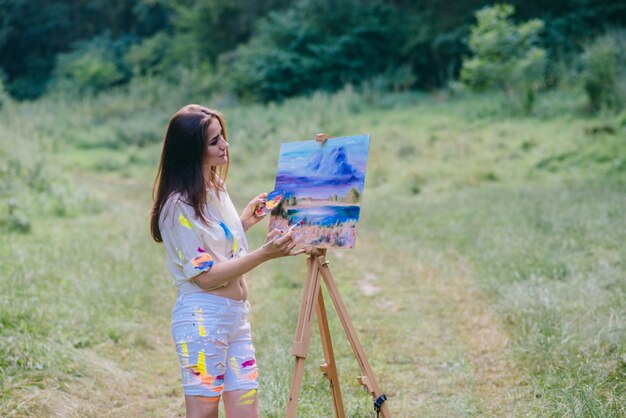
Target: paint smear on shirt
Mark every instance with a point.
(184, 221)
(202, 262)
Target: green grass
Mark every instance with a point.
(488, 277)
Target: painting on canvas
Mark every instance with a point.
(323, 186)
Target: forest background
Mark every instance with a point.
(488, 277)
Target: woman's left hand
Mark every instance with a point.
(249, 216)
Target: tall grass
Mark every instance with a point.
(470, 216)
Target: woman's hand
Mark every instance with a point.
(248, 216)
(279, 245)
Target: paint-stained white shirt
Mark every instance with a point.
(193, 247)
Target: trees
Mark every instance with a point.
(93, 66)
(271, 49)
(34, 33)
(315, 45)
(506, 55)
(352, 196)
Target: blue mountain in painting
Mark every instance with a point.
(308, 169)
(315, 160)
(335, 163)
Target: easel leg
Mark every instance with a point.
(330, 368)
(303, 331)
(368, 380)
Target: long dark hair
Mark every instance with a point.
(180, 169)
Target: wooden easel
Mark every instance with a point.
(317, 266)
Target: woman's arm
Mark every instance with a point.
(225, 271)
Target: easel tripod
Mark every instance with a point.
(317, 268)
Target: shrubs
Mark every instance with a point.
(506, 55)
(92, 66)
(316, 45)
(604, 71)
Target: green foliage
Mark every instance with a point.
(33, 33)
(604, 71)
(571, 24)
(150, 55)
(200, 31)
(192, 35)
(212, 28)
(315, 45)
(92, 66)
(168, 59)
(506, 55)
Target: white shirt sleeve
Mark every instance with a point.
(181, 237)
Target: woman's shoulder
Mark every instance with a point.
(175, 201)
(176, 198)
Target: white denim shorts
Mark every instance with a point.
(214, 344)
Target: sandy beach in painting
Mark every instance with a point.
(341, 236)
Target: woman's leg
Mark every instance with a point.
(241, 403)
(240, 390)
(202, 406)
(197, 326)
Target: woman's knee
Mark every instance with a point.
(202, 406)
(242, 403)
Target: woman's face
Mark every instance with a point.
(217, 148)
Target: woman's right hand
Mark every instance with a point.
(278, 245)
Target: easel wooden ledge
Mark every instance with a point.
(317, 266)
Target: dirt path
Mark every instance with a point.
(496, 384)
(450, 356)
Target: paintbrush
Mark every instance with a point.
(291, 228)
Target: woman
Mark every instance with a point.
(207, 254)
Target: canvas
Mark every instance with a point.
(323, 185)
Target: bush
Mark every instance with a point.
(506, 55)
(172, 59)
(604, 71)
(316, 45)
(93, 66)
(147, 57)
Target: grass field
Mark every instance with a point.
(488, 277)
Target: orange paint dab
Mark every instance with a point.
(207, 379)
(252, 375)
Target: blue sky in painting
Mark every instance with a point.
(311, 169)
